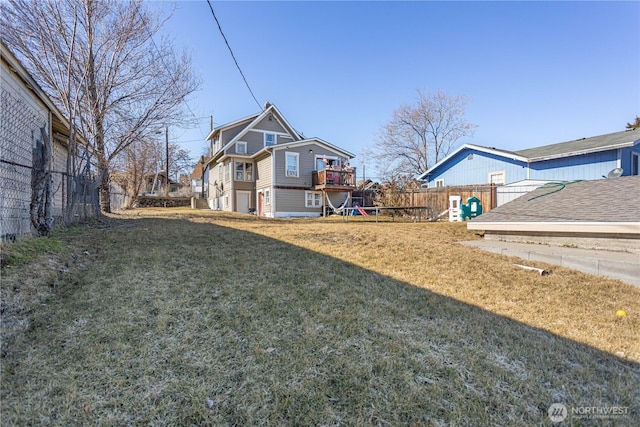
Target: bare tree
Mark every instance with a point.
(180, 161)
(104, 61)
(421, 134)
(134, 164)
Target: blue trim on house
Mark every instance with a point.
(471, 165)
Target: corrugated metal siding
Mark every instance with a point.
(585, 166)
(464, 171)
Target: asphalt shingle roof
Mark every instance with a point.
(604, 200)
(584, 144)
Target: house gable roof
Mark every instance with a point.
(252, 120)
(309, 141)
(594, 144)
(480, 148)
(582, 146)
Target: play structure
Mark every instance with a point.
(461, 212)
(347, 210)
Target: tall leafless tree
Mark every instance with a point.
(420, 134)
(105, 62)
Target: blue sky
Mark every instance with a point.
(536, 73)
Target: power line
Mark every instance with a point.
(232, 55)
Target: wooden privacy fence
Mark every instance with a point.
(437, 199)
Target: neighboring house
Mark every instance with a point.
(197, 178)
(25, 111)
(156, 185)
(595, 214)
(262, 164)
(586, 158)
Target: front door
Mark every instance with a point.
(242, 201)
(260, 196)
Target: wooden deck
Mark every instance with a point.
(334, 180)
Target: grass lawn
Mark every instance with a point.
(182, 317)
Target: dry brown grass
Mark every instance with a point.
(311, 322)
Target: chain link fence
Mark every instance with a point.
(24, 136)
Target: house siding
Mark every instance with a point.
(306, 165)
(263, 172)
(270, 126)
(626, 155)
(293, 203)
(460, 170)
(585, 166)
(228, 134)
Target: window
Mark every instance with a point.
(219, 173)
(291, 164)
(439, 182)
(244, 171)
(634, 164)
(241, 147)
(269, 139)
(227, 171)
(327, 162)
(497, 177)
(267, 197)
(313, 199)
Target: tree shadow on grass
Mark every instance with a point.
(176, 322)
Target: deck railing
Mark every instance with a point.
(335, 178)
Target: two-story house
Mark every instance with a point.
(262, 164)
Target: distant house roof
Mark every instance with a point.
(553, 151)
(582, 146)
(602, 206)
(199, 168)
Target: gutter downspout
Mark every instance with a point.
(273, 177)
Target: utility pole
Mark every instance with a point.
(166, 139)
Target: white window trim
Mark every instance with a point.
(275, 139)
(244, 171)
(286, 164)
(439, 181)
(316, 203)
(241, 144)
(501, 172)
(267, 197)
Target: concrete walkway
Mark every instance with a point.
(618, 265)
